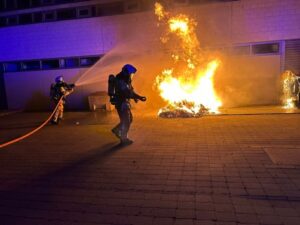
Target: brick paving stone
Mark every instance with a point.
(207, 171)
(163, 221)
(186, 214)
(270, 220)
(247, 218)
(226, 216)
(198, 222)
(184, 222)
(291, 220)
(206, 215)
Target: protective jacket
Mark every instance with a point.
(60, 89)
(124, 90)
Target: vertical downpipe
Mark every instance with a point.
(3, 99)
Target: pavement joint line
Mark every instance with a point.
(10, 113)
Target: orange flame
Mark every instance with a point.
(289, 89)
(193, 89)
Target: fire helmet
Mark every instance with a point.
(130, 69)
(59, 79)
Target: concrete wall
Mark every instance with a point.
(30, 90)
(219, 24)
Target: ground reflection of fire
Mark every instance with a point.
(188, 87)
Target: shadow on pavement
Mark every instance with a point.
(23, 200)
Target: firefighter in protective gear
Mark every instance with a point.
(291, 87)
(58, 92)
(123, 93)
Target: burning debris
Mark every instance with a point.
(184, 111)
(290, 89)
(188, 86)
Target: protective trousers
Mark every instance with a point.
(125, 116)
(59, 112)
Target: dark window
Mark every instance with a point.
(38, 17)
(292, 55)
(88, 61)
(110, 9)
(35, 3)
(50, 64)
(10, 4)
(270, 48)
(132, 6)
(241, 50)
(66, 14)
(47, 2)
(71, 62)
(49, 16)
(63, 1)
(84, 12)
(2, 21)
(23, 4)
(12, 66)
(31, 65)
(2, 5)
(25, 19)
(12, 20)
(181, 1)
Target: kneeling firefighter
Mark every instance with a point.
(121, 91)
(58, 92)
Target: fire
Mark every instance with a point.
(189, 85)
(290, 89)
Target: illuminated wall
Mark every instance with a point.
(219, 24)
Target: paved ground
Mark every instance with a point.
(216, 170)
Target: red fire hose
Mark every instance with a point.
(33, 131)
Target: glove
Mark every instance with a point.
(143, 99)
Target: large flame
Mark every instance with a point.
(290, 89)
(189, 84)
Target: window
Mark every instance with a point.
(269, 48)
(84, 12)
(71, 63)
(49, 16)
(66, 14)
(110, 9)
(2, 21)
(2, 5)
(182, 2)
(132, 6)
(31, 65)
(35, 3)
(50, 64)
(38, 17)
(63, 1)
(46, 64)
(10, 4)
(25, 19)
(23, 4)
(12, 66)
(12, 20)
(241, 50)
(47, 2)
(88, 61)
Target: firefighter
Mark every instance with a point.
(121, 99)
(58, 92)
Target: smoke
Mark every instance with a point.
(132, 47)
(249, 80)
(239, 81)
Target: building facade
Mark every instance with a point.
(41, 39)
